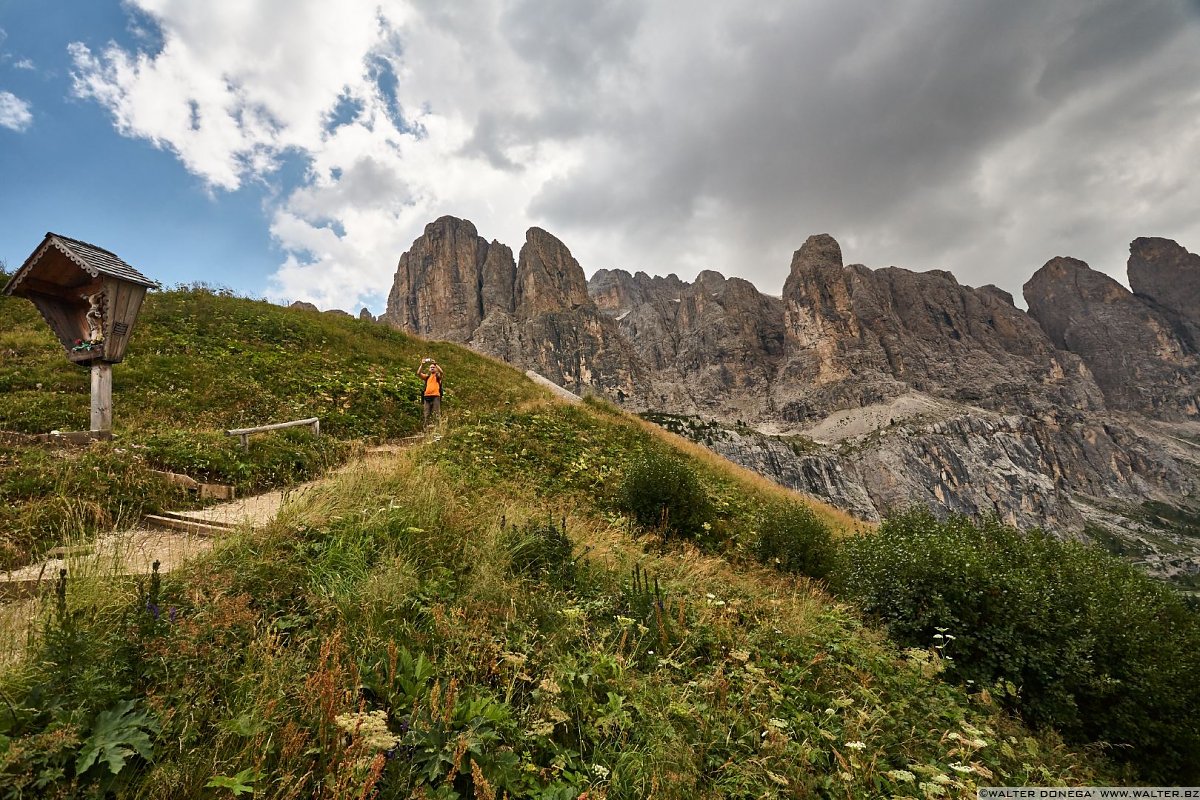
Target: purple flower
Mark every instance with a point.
(153, 609)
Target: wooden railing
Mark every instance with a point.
(244, 433)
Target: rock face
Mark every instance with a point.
(1141, 355)
(874, 389)
(438, 287)
(535, 313)
(856, 336)
(1167, 275)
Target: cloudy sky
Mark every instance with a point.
(293, 149)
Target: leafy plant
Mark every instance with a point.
(1092, 646)
(116, 735)
(662, 492)
(541, 550)
(792, 539)
(239, 784)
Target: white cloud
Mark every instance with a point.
(24, 63)
(677, 135)
(15, 113)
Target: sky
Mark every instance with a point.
(293, 149)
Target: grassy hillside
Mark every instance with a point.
(523, 606)
(201, 362)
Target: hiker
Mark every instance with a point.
(431, 373)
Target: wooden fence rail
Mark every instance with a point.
(244, 433)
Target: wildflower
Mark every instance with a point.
(961, 768)
(369, 727)
(901, 775)
(600, 771)
(856, 745)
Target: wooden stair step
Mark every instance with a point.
(185, 517)
(72, 550)
(185, 525)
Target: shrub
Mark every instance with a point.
(1090, 645)
(792, 539)
(662, 492)
(541, 550)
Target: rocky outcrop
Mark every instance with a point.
(714, 344)
(365, 315)
(548, 278)
(904, 387)
(1142, 361)
(1169, 276)
(534, 313)
(856, 336)
(301, 305)
(438, 291)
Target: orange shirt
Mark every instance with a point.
(433, 385)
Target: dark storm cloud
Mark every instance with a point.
(878, 123)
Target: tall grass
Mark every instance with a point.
(394, 593)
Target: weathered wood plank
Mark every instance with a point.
(101, 397)
(244, 433)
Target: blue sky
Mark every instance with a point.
(293, 149)
(70, 171)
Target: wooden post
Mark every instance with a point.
(101, 399)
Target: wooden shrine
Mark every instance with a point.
(90, 298)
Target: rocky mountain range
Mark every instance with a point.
(872, 388)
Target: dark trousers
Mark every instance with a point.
(432, 406)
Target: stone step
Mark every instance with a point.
(187, 525)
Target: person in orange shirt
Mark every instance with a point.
(431, 373)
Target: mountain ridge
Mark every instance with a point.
(1070, 416)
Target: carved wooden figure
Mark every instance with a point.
(90, 298)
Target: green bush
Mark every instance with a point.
(541, 550)
(792, 539)
(662, 492)
(1083, 641)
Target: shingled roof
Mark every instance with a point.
(92, 259)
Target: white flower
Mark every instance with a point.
(901, 775)
(856, 745)
(961, 768)
(600, 771)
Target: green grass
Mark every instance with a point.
(406, 590)
(472, 618)
(201, 362)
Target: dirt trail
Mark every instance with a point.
(134, 551)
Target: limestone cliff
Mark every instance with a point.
(1141, 359)
(874, 389)
(535, 312)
